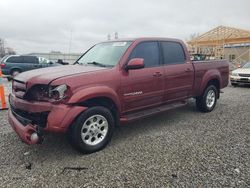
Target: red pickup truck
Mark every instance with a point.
(113, 82)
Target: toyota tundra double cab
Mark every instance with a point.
(113, 83)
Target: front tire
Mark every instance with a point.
(207, 101)
(92, 130)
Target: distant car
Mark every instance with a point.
(60, 61)
(241, 75)
(15, 64)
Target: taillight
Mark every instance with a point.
(3, 65)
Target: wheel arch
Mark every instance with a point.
(15, 68)
(216, 83)
(211, 78)
(105, 102)
(99, 96)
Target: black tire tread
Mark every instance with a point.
(201, 100)
(74, 136)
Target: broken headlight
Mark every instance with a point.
(58, 93)
(47, 93)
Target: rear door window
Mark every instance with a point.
(173, 53)
(14, 59)
(149, 51)
(30, 59)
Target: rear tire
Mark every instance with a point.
(92, 130)
(207, 101)
(234, 84)
(15, 72)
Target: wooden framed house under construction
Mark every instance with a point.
(223, 42)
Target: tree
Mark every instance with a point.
(2, 49)
(5, 50)
(193, 36)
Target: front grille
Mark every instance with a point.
(25, 117)
(244, 75)
(18, 88)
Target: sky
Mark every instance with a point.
(75, 25)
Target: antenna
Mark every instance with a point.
(70, 42)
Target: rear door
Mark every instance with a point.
(144, 87)
(30, 63)
(179, 73)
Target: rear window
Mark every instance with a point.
(30, 59)
(14, 59)
(173, 53)
(4, 58)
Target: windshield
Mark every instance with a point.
(246, 66)
(105, 54)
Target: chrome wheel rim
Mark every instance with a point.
(210, 100)
(94, 130)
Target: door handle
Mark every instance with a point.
(157, 74)
(188, 70)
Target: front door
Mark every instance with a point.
(142, 88)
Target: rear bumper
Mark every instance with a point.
(6, 72)
(29, 117)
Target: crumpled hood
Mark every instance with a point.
(242, 71)
(47, 75)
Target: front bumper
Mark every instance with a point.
(239, 80)
(24, 132)
(29, 117)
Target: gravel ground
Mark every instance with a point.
(179, 148)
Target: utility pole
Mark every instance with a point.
(70, 41)
(109, 37)
(116, 35)
(2, 48)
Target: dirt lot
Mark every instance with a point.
(180, 148)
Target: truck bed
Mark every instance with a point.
(204, 69)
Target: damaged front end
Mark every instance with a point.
(40, 108)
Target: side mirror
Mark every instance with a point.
(136, 63)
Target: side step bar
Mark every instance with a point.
(152, 111)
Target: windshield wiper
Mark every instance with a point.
(96, 63)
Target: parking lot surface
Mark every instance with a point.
(179, 148)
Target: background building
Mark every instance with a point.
(223, 42)
(54, 56)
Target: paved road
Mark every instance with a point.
(180, 148)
